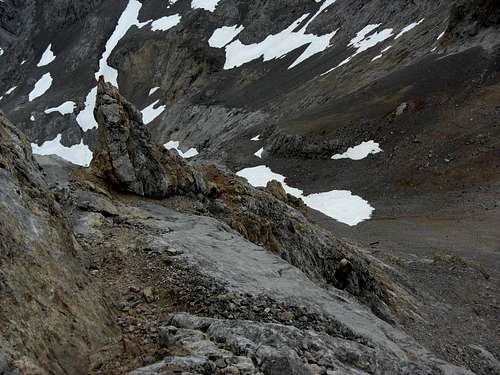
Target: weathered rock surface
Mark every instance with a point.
(52, 318)
(215, 346)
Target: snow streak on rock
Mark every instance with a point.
(408, 28)
(128, 18)
(364, 40)
(78, 154)
(340, 205)
(382, 53)
(10, 91)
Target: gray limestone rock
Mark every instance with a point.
(124, 153)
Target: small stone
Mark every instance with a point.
(287, 316)
(314, 369)
(220, 363)
(343, 263)
(148, 294)
(401, 109)
(173, 252)
(134, 289)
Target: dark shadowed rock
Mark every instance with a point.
(124, 154)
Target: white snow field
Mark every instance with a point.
(360, 151)
(340, 205)
(41, 87)
(78, 154)
(174, 145)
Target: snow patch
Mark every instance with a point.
(41, 87)
(259, 153)
(209, 5)
(64, 109)
(47, 57)
(360, 151)
(224, 35)
(340, 205)
(256, 138)
(79, 154)
(165, 23)
(174, 145)
(278, 45)
(85, 118)
(150, 112)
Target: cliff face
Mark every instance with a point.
(53, 316)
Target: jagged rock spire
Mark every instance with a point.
(124, 153)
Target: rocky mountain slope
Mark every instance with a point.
(376, 121)
(279, 318)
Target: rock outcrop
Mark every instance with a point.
(124, 154)
(127, 158)
(52, 318)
